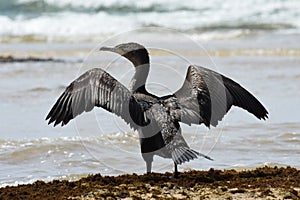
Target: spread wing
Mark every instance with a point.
(95, 88)
(206, 96)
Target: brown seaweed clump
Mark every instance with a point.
(261, 183)
(10, 59)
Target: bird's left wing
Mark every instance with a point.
(96, 88)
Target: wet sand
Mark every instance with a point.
(260, 183)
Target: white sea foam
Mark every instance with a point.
(75, 20)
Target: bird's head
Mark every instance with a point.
(134, 52)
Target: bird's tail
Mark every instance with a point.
(185, 154)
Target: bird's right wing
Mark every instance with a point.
(96, 88)
(206, 96)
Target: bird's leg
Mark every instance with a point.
(148, 166)
(148, 158)
(176, 173)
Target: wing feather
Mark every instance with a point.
(95, 88)
(206, 96)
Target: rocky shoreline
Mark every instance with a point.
(260, 183)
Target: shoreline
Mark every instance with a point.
(260, 183)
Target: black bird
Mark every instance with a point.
(205, 97)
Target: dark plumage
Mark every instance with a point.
(205, 97)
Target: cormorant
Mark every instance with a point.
(205, 97)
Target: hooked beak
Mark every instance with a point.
(107, 49)
(112, 49)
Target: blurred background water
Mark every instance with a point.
(254, 42)
(49, 20)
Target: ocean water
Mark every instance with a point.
(254, 43)
(57, 20)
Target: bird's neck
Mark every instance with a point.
(139, 79)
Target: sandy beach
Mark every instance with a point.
(260, 183)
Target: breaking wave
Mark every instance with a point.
(83, 20)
